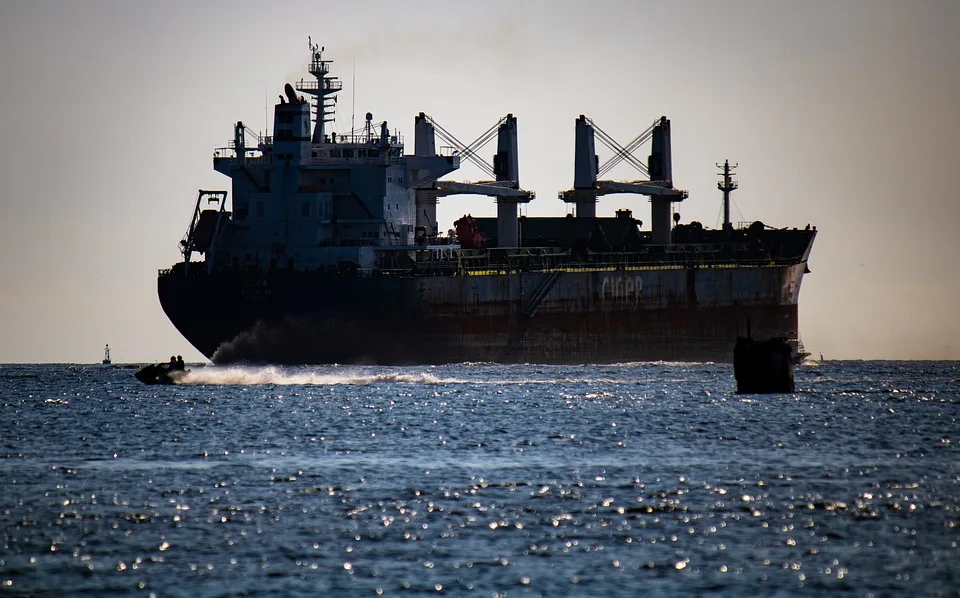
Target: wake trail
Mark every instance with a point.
(276, 375)
(247, 375)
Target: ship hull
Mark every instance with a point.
(562, 317)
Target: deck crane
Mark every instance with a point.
(658, 170)
(505, 187)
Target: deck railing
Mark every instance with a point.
(503, 262)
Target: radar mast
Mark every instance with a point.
(727, 185)
(324, 88)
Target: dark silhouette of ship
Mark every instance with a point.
(330, 252)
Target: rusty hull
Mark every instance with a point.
(564, 316)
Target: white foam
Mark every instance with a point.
(358, 375)
(249, 375)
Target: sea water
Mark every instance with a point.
(480, 479)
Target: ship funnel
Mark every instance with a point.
(291, 95)
(291, 129)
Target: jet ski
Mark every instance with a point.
(162, 373)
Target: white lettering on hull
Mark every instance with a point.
(621, 287)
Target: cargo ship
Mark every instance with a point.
(327, 249)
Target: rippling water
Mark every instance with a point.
(480, 479)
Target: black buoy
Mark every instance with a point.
(763, 366)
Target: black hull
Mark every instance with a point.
(288, 318)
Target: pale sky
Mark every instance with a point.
(841, 114)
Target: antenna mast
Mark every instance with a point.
(325, 88)
(353, 96)
(727, 185)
